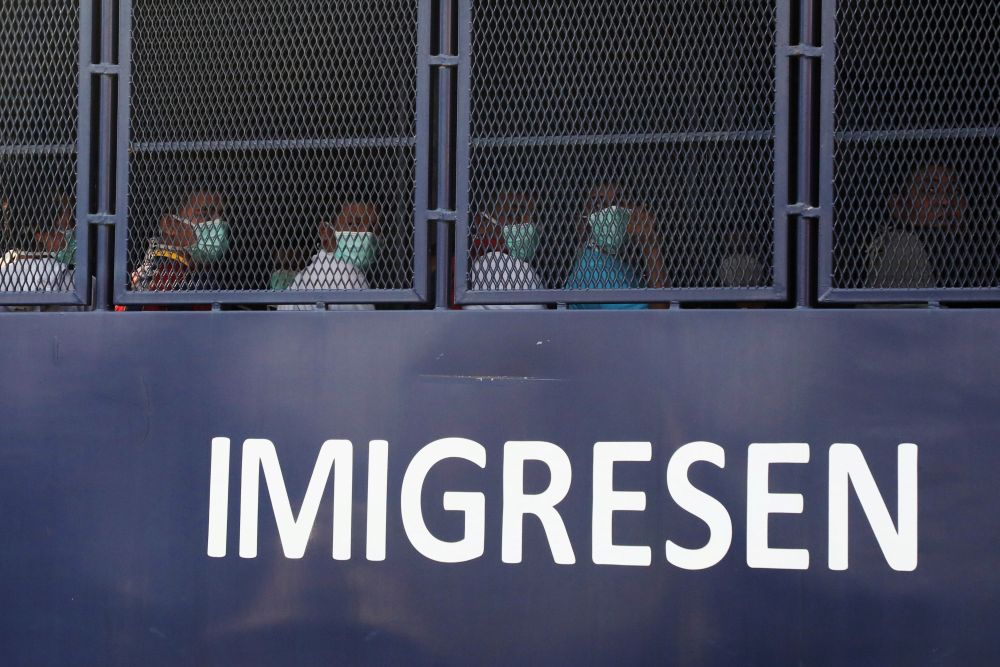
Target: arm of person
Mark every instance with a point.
(642, 225)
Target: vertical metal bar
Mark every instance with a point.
(421, 244)
(124, 133)
(444, 156)
(104, 160)
(782, 127)
(462, 147)
(81, 276)
(827, 104)
(103, 288)
(806, 178)
(443, 266)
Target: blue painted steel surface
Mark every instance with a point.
(105, 430)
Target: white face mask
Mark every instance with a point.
(609, 228)
(67, 254)
(521, 240)
(211, 239)
(357, 248)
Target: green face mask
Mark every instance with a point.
(521, 240)
(67, 254)
(357, 248)
(281, 279)
(608, 228)
(211, 241)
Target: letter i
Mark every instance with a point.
(378, 482)
(218, 499)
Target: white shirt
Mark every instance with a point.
(898, 259)
(325, 272)
(33, 275)
(500, 271)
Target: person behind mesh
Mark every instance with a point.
(283, 271)
(929, 211)
(741, 267)
(46, 267)
(612, 231)
(190, 244)
(349, 246)
(504, 242)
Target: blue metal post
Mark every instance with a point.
(445, 147)
(81, 277)
(806, 160)
(106, 69)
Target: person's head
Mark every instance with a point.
(932, 197)
(284, 268)
(285, 258)
(60, 239)
(198, 227)
(603, 196)
(352, 236)
(511, 208)
(507, 224)
(610, 218)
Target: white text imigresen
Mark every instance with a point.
(847, 469)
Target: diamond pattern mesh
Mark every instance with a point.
(267, 140)
(917, 167)
(636, 136)
(39, 65)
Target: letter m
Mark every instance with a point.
(260, 455)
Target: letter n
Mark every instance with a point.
(848, 467)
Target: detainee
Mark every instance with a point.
(191, 243)
(48, 265)
(929, 210)
(349, 247)
(620, 248)
(741, 266)
(283, 269)
(504, 242)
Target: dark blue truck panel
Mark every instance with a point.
(106, 429)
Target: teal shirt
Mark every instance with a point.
(596, 270)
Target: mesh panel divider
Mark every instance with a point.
(39, 66)
(272, 151)
(619, 147)
(916, 189)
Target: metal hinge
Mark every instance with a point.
(806, 51)
(105, 69)
(101, 219)
(442, 215)
(804, 210)
(443, 60)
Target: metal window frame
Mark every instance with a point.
(777, 292)
(80, 295)
(416, 295)
(838, 295)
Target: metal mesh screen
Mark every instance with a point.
(621, 144)
(917, 170)
(39, 65)
(272, 145)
